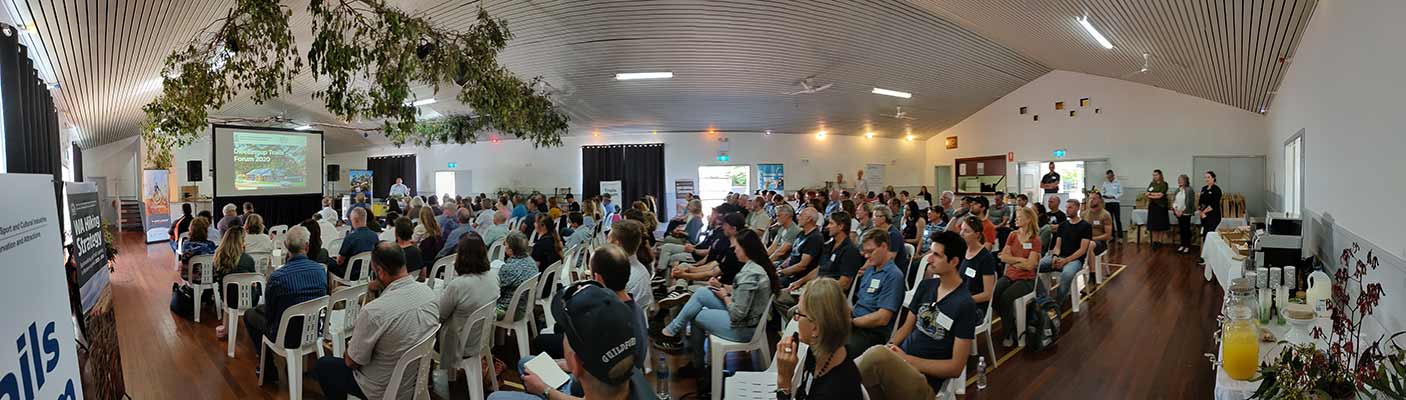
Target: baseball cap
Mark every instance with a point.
(599, 327)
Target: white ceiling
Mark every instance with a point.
(732, 60)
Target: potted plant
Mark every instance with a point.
(1347, 367)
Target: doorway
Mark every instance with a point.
(716, 181)
(447, 184)
(943, 182)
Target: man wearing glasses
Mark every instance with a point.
(878, 294)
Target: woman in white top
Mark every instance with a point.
(257, 240)
(1183, 205)
(475, 285)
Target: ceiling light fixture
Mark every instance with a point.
(893, 93)
(643, 75)
(768, 131)
(424, 102)
(596, 133)
(654, 132)
(303, 128)
(910, 137)
(820, 135)
(1102, 41)
(869, 135)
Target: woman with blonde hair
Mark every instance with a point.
(823, 323)
(1022, 258)
(230, 256)
(256, 238)
(590, 212)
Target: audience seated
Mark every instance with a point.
(864, 213)
(256, 238)
(829, 371)
(629, 234)
(547, 249)
(299, 280)
(671, 254)
(386, 328)
(1021, 256)
(931, 345)
(805, 251)
(198, 243)
(979, 266)
(329, 210)
(473, 286)
(448, 220)
(414, 261)
(430, 241)
(462, 227)
(1072, 239)
(1102, 223)
(590, 213)
(484, 217)
(731, 311)
(518, 268)
(883, 222)
(495, 231)
(579, 234)
(360, 239)
(936, 222)
(316, 250)
(844, 260)
(230, 256)
(757, 218)
(1053, 218)
(180, 225)
(878, 295)
(230, 215)
(721, 261)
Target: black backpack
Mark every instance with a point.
(1041, 320)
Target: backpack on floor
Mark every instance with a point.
(1041, 320)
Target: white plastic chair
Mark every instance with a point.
(421, 352)
(985, 328)
(518, 326)
(1020, 304)
(276, 233)
(441, 271)
(479, 325)
(333, 246)
(242, 292)
(310, 313)
(1100, 269)
(339, 330)
(181, 242)
(495, 252)
(358, 270)
(263, 262)
(719, 347)
(954, 387)
(204, 266)
(908, 250)
(546, 283)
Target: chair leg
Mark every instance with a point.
(218, 303)
(473, 369)
(231, 330)
(295, 375)
(717, 357)
(263, 352)
(199, 294)
(336, 346)
(990, 347)
(961, 383)
(520, 330)
(1019, 322)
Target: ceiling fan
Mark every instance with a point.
(808, 86)
(899, 114)
(1146, 66)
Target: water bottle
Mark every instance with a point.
(981, 373)
(661, 375)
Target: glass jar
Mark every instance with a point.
(1240, 344)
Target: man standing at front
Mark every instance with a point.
(387, 328)
(1112, 190)
(1050, 182)
(399, 189)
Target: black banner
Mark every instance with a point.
(89, 246)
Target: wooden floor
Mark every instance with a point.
(1140, 336)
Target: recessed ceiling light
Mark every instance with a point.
(303, 128)
(1097, 36)
(869, 135)
(820, 135)
(768, 131)
(893, 93)
(643, 75)
(595, 133)
(654, 132)
(424, 102)
(910, 138)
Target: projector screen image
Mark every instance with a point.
(269, 161)
(256, 161)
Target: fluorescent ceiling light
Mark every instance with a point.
(303, 128)
(643, 75)
(893, 93)
(424, 102)
(1097, 36)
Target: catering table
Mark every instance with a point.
(1139, 220)
(1228, 388)
(1220, 260)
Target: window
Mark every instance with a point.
(715, 182)
(1293, 176)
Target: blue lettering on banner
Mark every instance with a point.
(35, 363)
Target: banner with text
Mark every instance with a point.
(874, 177)
(89, 246)
(156, 202)
(44, 362)
(612, 188)
(683, 191)
(772, 176)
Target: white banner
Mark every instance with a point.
(611, 188)
(874, 177)
(44, 362)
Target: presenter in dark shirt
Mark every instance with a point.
(1050, 182)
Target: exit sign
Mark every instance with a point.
(453, 165)
(1059, 153)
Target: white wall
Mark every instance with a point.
(120, 162)
(1344, 88)
(516, 164)
(1140, 127)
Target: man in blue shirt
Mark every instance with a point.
(299, 280)
(608, 205)
(877, 296)
(447, 219)
(519, 209)
(360, 239)
(931, 345)
(451, 241)
(883, 222)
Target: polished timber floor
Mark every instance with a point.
(1140, 336)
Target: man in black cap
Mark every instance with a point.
(599, 339)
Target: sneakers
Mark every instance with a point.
(659, 280)
(675, 298)
(669, 344)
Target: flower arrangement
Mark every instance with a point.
(1347, 367)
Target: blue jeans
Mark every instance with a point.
(1066, 276)
(708, 315)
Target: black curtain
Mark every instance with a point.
(384, 170)
(31, 129)
(638, 167)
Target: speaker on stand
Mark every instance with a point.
(193, 173)
(334, 174)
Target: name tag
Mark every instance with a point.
(1097, 222)
(944, 321)
(971, 272)
(1151, 189)
(873, 285)
(832, 257)
(1026, 246)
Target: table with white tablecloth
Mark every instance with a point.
(1228, 388)
(1221, 260)
(1139, 219)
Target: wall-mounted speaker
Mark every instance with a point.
(334, 172)
(193, 172)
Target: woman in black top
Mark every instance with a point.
(823, 320)
(1158, 205)
(1208, 205)
(547, 249)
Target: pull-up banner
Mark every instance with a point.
(156, 202)
(89, 246)
(37, 318)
